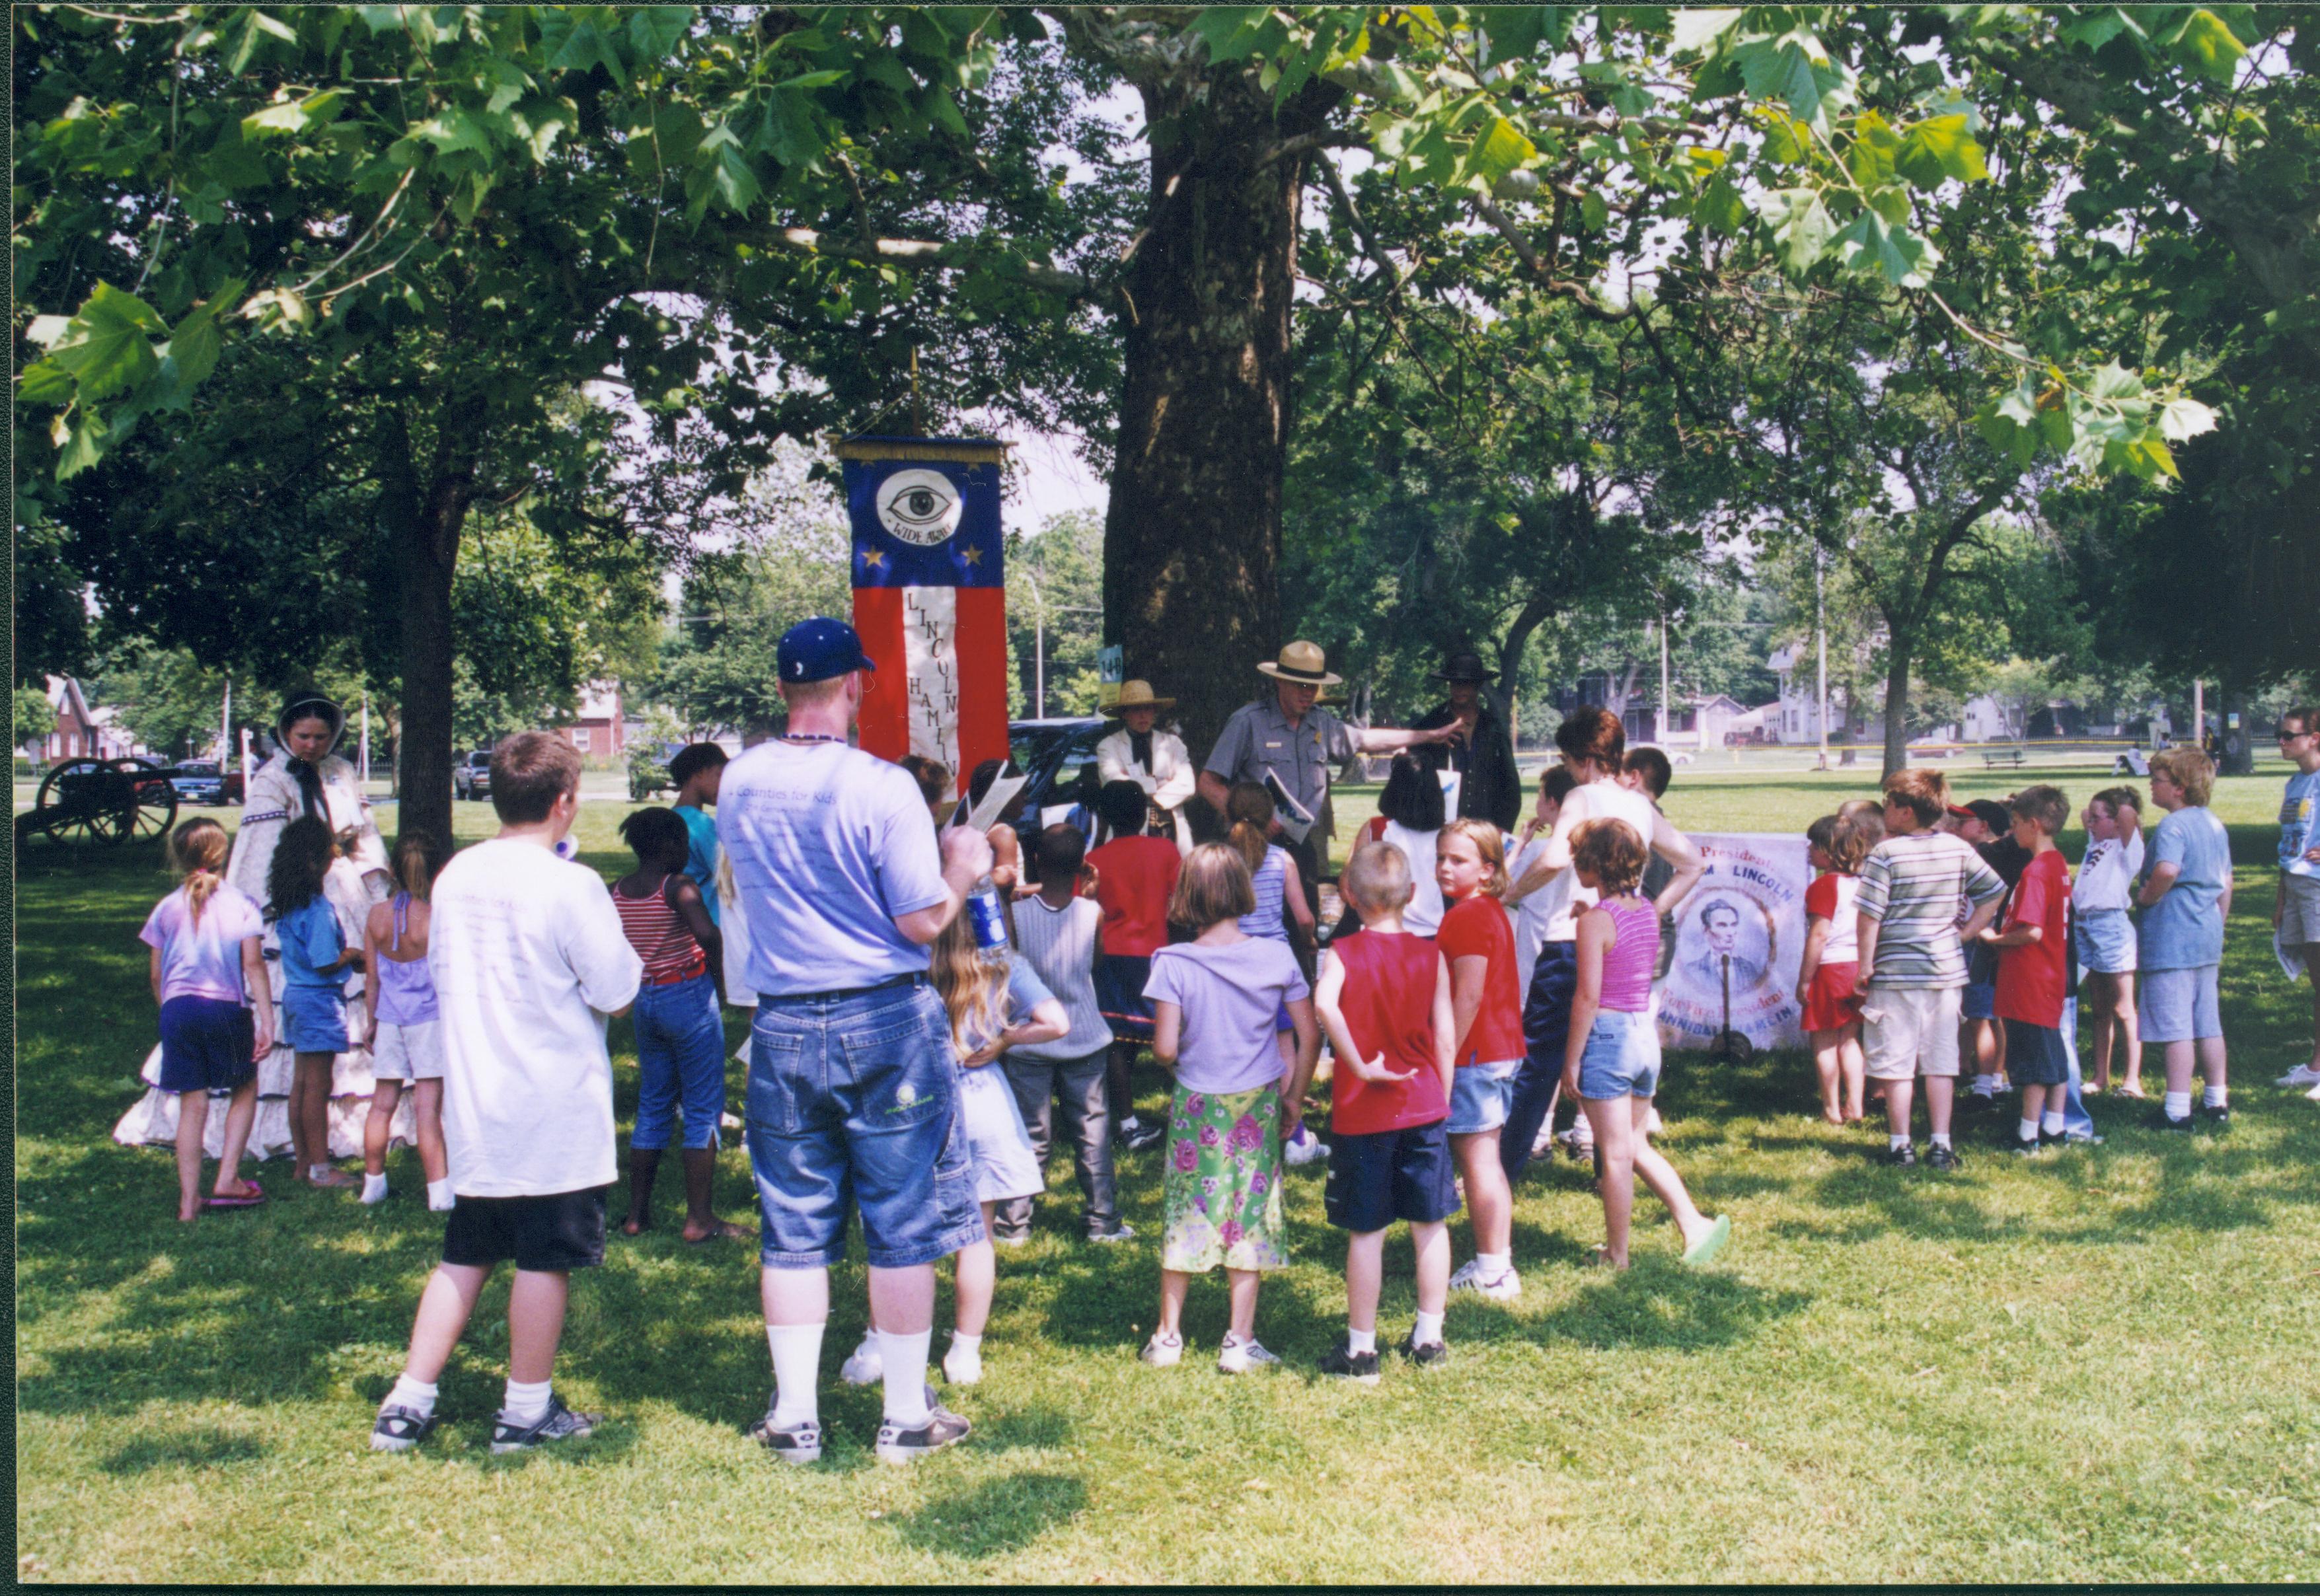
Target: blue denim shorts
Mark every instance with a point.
(314, 1019)
(1980, 1001)
(1622, 1059)
(681, 1060)
(854, 1103)
(2105, 942)
(2035, 1055)
(1480, 1095)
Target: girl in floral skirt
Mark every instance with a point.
(1214, 1003)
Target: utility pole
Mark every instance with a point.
(1662, 729)
(1820, 639)
(365, 741)
(225, 729)
(2198, 712)
(1039, 648)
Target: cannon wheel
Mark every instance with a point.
(150, 807)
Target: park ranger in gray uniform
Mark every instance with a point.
(1285, 732)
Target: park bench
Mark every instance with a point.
(1991, 758)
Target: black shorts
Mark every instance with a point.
(547, 1235)
(2035, 1055)
(1383, 1175)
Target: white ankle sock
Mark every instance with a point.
(2179, 1105)
(1427, 1330)
(1361, 1340)
(409, 1392)
(438, 1196)
(2050, 1121)
(1494, 1263)
(2214, 1097)
(525, 1403)
(316, 1171)
(2025, 1130)
(1940, 1138)
(374, 1188)
(905, 1358)
(797, 1364)
(963, 1342)
(1897, 1141)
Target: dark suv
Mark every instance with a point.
(472, 777)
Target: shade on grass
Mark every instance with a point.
(2095, 1365)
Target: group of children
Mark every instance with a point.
(1133, 941)
(1935, 932)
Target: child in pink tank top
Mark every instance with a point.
(1611, 1062)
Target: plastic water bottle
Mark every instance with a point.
(988, 920)
(566, 848)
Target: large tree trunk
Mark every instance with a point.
(423, 519)
(1899, 650)
(1191, 547)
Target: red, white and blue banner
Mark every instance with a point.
(930, 596)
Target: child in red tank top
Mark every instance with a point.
(1384, 1001)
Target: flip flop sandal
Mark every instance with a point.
(724, 1230)
(249, 1196)
(1706, 1248)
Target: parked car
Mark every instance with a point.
(471, 778)
(1058, 755)
(198, 782)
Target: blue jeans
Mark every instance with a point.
(853, 1103)
(681, 1057)
(1622, 1057)
(1546, 1032)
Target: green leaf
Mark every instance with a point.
(1938, 147)
(1695, 26)
(1498, 149)
(2004, 425)
(1869, 156)
(107, 345)
(812, 80)
(2208, 46)
(1799, 224)
(82, 449)
(45, 381)
(1796, 69)
(1868, 241)
(454, 129)
(1719, 208)
(655, 31)
(294, 116)
(2113, 381)
(1230, 32)
(1594, 211)
(2182, 419)
(192, 355)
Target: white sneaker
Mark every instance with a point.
(2303, 1075)
(1163, 1354)
(1499, 1288)
(1651, 1126)
(1543, 1143)
(1238, 1357)
(962, 1366)
(1304, 1148)
(865, 1367)
(1462, 1278)
(2313, 1094)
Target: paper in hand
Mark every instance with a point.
(1295, 818)
(994, 803)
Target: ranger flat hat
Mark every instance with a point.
(1301, 662)
(1137, 694)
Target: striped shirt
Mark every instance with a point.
(1911, 886)
(1059, 945)
(659, 935)
(1269, 879)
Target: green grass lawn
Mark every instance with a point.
(2095, 1365)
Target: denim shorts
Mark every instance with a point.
(1622, 1057)
(2179, 1004)
(1480, 1095)
(1979, 1002)
(2035, 1055)
(206, 1043)
(314, 1019)
(853, 1103)
(681, 1060)
(2105, 942)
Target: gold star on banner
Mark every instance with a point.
(973, 556)
(875, 558)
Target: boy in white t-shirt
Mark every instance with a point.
(528, 959)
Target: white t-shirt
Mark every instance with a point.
(1424, 914)
(827, 845)
(203, 961)
(1598, 800)
(2107, 875)
(527, 958)
(1538, 912)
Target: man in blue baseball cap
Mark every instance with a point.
(851, 1071)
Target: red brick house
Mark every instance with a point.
(596, 731)
(81, 732)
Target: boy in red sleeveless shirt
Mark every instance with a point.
(1384, 1000)
(1135, 876)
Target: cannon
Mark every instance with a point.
(106, 800)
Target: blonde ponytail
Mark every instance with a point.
(198, 850)
(1249, 807)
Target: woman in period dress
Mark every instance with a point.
(1155, 759)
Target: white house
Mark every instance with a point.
(1797, 717)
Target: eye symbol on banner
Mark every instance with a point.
(920, 506)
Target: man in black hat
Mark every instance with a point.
(1482, 753)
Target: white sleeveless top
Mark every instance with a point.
(1598, 800)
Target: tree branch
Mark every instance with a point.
(920, 254)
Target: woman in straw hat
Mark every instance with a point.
(1156, 760)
